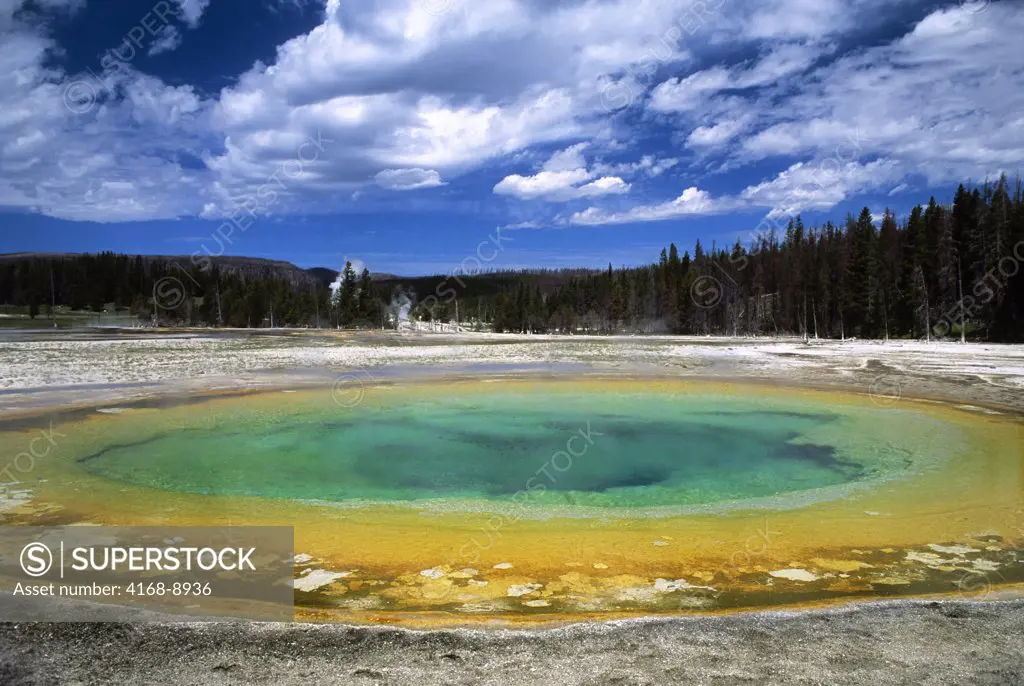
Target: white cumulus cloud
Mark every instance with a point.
(408, 179)
(691, 202)
(562, 178)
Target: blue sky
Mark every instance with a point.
(404, 133)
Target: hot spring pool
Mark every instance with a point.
(558, 499)
(625, 450)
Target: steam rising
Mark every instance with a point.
(399, 308)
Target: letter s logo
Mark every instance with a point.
(36, 559)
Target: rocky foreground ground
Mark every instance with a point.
(904, 642)
(41, 370)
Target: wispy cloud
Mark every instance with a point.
(500, 103)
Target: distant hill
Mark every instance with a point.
(258, 267)
(323, 275)
(248, 266)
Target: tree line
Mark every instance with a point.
(230, 292)
(942, 271)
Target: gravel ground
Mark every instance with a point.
(63, 369)
(903, 642)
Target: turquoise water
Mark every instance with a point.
(604, 450)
